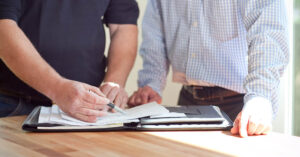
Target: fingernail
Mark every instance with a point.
(138, 100)
(243, 134)
(106, 100)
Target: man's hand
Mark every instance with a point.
(80, 100)
(115, 93)
(254, 119)
(144, 95)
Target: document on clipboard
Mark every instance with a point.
(151, 116)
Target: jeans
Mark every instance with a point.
(14, 106)
(231, 105)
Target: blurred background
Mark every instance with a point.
(296, 58)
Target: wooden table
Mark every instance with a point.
(15, 142)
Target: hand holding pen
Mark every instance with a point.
(74, 98)
(114, 107)
(115, 93)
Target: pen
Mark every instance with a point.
(118, 109)
(113, 106)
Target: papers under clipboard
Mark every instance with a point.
(150, 116)
(193, 118)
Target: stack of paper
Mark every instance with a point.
(54, 115)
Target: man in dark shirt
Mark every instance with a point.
(53, 51)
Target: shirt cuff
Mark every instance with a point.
(251, 96)
(154, 84)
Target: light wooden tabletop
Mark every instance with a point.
(15, 142)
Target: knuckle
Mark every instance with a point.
(73, 101)
(130, 98)
(92, 118)
(87, 112)
(116, 88)
(131, 101)
(138, 100)
(124, 93)
(111, 98)
(260, 125)
(95, 107)
(88, 106)
(99, 114)
(84, 118)
(105, 108)
(251, 122)
(138, 92)
(120, 97)
(125, 99)
(144, 94)
(77, 92)
(93, 100)
(97, 89)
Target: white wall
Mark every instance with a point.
(283, 121)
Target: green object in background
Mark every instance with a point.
(296, 111)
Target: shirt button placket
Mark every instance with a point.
(192, 54)
(195, 24)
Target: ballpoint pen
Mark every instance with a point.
(113, 106)
(118, 109)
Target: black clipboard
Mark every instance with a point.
(197, 118)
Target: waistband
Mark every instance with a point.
(27, 98)
(214, 93)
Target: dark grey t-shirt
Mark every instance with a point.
(68, 34)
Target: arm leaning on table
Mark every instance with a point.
(152, 78)
(267, 38)
(25, 62)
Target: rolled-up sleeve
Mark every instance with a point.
(122, 12)
(268, 53)
(10, 9)
(153, 50)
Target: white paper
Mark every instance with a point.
(45, 114)
(59, 117)
(170, 115)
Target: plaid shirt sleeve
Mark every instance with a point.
(153, 51)
(268, 52)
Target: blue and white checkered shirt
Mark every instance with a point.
(241, 45)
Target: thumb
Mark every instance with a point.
(155, 97)
(243, 124)
(145, 96)
(235, 129)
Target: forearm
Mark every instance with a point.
(24, 61)
(122, 54)
(268, 48)
(153, 50)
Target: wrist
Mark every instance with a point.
(119, 82)
(254, 97)
(54, 87)
(260, 102)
